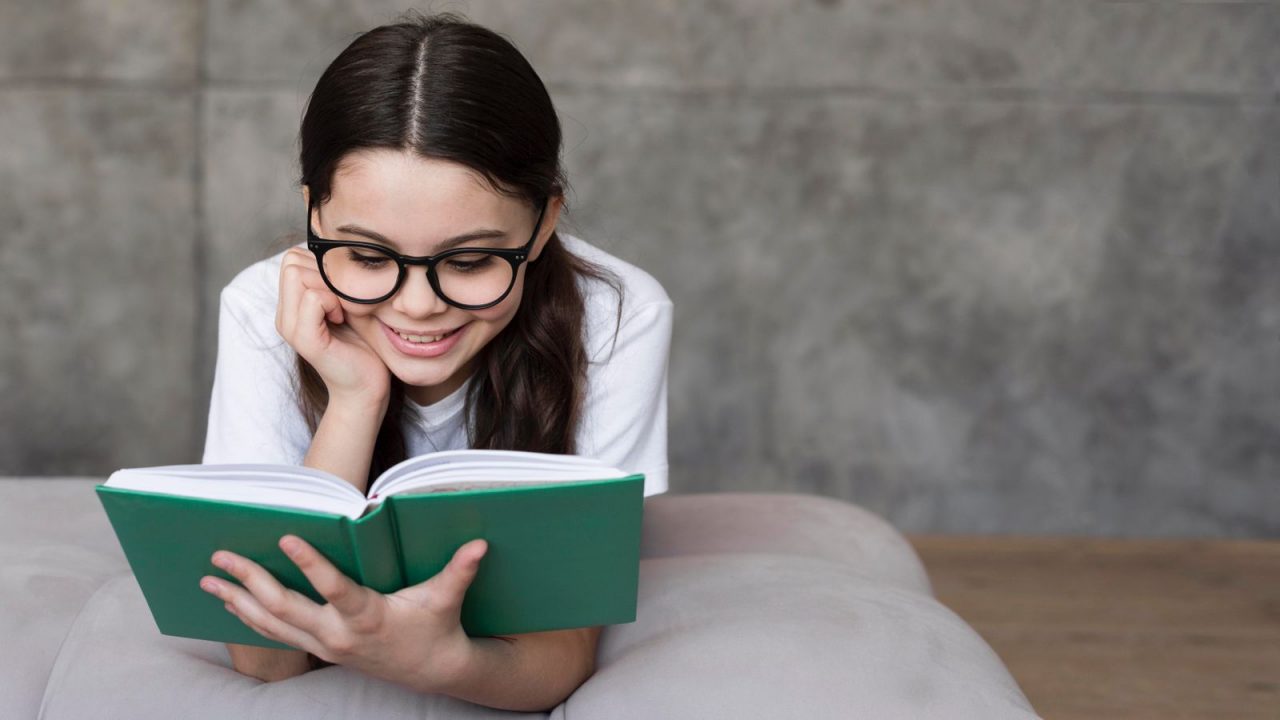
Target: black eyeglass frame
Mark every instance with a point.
(516, 256)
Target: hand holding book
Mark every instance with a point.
(562, 538)
(413, 637)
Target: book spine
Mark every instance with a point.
(374, 546)
(394, 531)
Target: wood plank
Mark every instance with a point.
(1094, 627)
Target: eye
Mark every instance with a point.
(470, 263)
(367, 260)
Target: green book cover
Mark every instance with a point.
(560, 555)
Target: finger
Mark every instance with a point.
(300, 255)
(330, 306)
(250, 624)
(452, 582)
(317, 307)
(344, 595)
(289, 605)
(295, 279)
(299, 273)
(309, 277)
(304, 270)
(291, 287)
(241, 603)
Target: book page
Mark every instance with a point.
(278, 485)
(477, 485)
(487, 468)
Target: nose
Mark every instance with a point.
(416, 297)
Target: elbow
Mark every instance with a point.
(585, 670)
(267, 664)
(578, 666)
(571, 683)
(590, 639)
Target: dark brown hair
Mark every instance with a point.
(450, 90)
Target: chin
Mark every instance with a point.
(421, 379)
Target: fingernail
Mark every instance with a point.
(208, 586)
(290, 546)
(222, 561)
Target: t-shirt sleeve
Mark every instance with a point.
(624, 421)
(253, 411)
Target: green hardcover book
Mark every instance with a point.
(563, 535)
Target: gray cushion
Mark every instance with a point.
(750, 606)
(789, 523)
(56, 549)
(115, 664)
(776, 636)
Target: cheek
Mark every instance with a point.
(501, 314)
(362, 319)
(358, 312)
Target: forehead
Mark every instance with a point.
(412, 199)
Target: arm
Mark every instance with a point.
(531, 672)
(343, 445)
(310, 319)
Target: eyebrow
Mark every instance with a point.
(453, 242)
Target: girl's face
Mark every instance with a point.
(416, 205)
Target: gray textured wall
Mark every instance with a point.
(984, 266)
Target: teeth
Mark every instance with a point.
(420, 338)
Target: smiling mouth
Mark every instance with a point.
(424, 339)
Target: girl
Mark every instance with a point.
(434, 306)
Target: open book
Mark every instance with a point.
(563, 534)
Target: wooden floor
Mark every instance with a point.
(1100, 628)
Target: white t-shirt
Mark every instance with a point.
(254, 415)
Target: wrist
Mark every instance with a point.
(344, 440)
(355, 406)
(453, 671)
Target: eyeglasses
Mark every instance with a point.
(466, 278)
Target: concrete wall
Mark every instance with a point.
(978, 265)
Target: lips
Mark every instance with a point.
(425, 345)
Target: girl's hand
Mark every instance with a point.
(311, 319)
(413, 637)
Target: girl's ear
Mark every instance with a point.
(549, 221)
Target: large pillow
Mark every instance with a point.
(726, 637)
(782, 523)
(736, 636)
(56, 550)
(116, 664)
